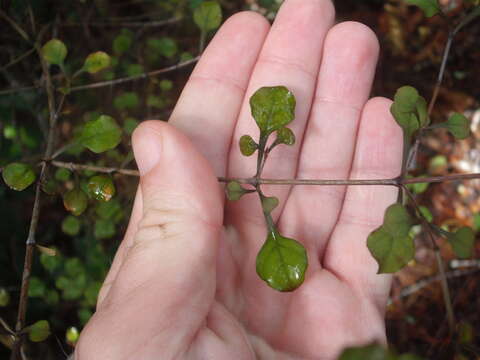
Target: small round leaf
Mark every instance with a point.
(247, 145)
(458, 125)
(71, 225)
(269, 204)
(429, 7)
(72, 334)
(235, 191)
(4, 297)
(54, 52)
(39, 331)
(18, 176)
(285, 136)
(101, 134)
(462, 242)
(75, 201)
(101, 187)
(96, 62)
(208, 15)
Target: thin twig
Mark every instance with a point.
(153, 23)
(101, 169)
(30, 243)
(135, 77)
(18, 59)
(440, 264)
(17, 27)
(111, 82)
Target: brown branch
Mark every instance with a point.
(440, 264)
(112, 82)
(135, 77)
(30, 243)
(152, 23)
(101, 169)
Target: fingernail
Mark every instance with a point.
(147, 147)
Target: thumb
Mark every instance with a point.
(166, 283)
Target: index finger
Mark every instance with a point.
(210, 102)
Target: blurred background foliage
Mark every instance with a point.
(147, 35)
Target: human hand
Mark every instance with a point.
(183, 283)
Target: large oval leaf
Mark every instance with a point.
(18, 176)
(282, 262)
(391, 244)
(101, 134)
(75, 201)
(272, 108)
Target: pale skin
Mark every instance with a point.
(183, 283)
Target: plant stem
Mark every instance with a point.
(101, 169)
(438, 257)
(203, 38)
(30, 243)
(100, 84)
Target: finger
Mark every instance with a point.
(291, 57)
(211, 99)
(378, 154)
(171, 264)
(125, 245)
(343, 87)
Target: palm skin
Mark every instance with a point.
(183, 283)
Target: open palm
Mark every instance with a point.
(183, 282)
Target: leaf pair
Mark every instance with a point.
(410, 110)
(55, 51)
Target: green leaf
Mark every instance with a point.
(129, 125)
(165, 85)
(429, 7)
(164, 46)
(54, 52)
(37, 287)
(75, 201)
(282, 262)
(101, 134)
(272, 108)
(458, 125)
(127, 100)
(18, 176)
(72, 334)
(101, 187)
(269, 204)
(406, 98)
(111, 210)
(62, 174)
(71, 225)
(4, 297)
(208, 16)
(235, 191)
(122, 42)
(370, 352)
(285, 136)
(417, 188)
(391, 244)
(409, 110)
(104, 229)
(96, 62)
(462, 242)
(50, 263)
(247, 145)
(39, 331)
(74, 267)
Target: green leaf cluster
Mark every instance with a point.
(410, 110)
(391, 244)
